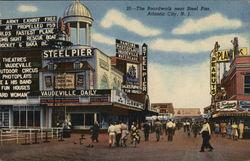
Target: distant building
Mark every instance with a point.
(190, 113)
(164, 108)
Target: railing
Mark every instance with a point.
(17, 135)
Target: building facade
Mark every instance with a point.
(56, 81)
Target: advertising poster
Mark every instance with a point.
(125, 80)
(132, 72)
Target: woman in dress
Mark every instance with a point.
(135, 134)
(235, 131)
(229, 130)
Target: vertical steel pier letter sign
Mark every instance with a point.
(145, 68)
(213, 74)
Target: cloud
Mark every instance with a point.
(185, 87)
(115, 17)
(27, 8)
(197, 46)
(210, 23)
(103, 39)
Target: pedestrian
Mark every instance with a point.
(125, 133)
(188, 127)
(206, 135)
(146, 128)
(170, 128)
(229, 130)
(135, 137)
(235, 131)
(95, 132)
(184, 126)
(217, 128)
(241, 129)
(118, 133)
(223, 129)
(111, 132)
(195, 129)
(158, 129)
(174, 127)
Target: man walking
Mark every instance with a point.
(206, 135)
(146, 130)
(118, 131)
(111, 132)
(170, 128)
(158, 128)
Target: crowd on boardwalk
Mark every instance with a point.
(119, 132)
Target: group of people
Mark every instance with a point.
(231, 130)
(118, 134)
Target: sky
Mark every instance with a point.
(179, 41)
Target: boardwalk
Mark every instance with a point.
(183, 148)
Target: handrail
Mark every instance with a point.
(10, 134)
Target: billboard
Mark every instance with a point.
(132, 72)
(226, 105)
(19, 74)
(244, 105)
(33, 32)
(127, 50)
(65, 81)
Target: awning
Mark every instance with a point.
(231, 113)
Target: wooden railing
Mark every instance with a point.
(27, 135)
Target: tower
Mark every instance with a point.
(79, 17)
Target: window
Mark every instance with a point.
(52, 66)
(48, 81)
(91, 79)
(247, 84)
(80, 80)
(104, 82)
(77, 65)
(115, 85)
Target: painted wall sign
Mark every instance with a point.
(136, 89)
(27, 32)
(127, 50)
(84, 52)
(99, 99)
(104, 64)
(145, 68)
(244, 105)
(56, 100)
(226, 105)
(213, 75)
(65, 81)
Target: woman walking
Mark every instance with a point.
(135, 134)
(235, 131)
(229, 130)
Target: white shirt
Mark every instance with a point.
(111, 129)
(206, 127)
